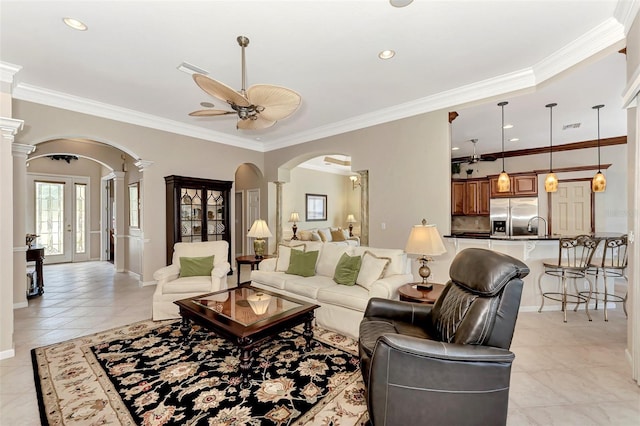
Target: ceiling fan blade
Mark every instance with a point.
(488, 158)
(278, 102)
(210, 112)
(219, 90)
(257, 124)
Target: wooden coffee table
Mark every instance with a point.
(246, 316)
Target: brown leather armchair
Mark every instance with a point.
(448, 363)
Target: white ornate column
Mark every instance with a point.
(364, 207)
(142, 166)
(278, 214)
(20, 152)
(9, 127)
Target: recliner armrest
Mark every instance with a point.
(167, 273)
(396, 310)
(445, 351)
(220, 270)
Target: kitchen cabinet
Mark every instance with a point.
(197, 210)
(470, 197)
(522, 185)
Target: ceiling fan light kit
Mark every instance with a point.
(599, 182)
(551, 181)
(504, 182)
(258, 107)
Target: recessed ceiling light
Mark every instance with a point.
(258, 138)
(191, 69)
(455, 148)
(75, 24)
(508, 126)
(386, 54)
(207, 104)
(514, 140)
(400, 3)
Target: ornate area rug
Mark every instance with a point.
(143, 374)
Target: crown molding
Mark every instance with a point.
(597, 40)
(8, 71)
(22, 150)
(30, 93)
(142, 165)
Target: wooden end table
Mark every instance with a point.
(249, 260)
(409, 293)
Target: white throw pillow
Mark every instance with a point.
(325, 235)
(304, 235)
(284, 256)
(372, 269)
(329, 257)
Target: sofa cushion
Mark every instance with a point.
(337, 235)
(329, 257)
(304, 235)
(308, 287)
(196, 266)
(397, 259)
(188, 285)
(302, 263)
(372, 269)
(325, 235)
(270, 278)
(284, 255)
(347, 269)
(350, 297)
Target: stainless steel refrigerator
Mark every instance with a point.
(510, 217)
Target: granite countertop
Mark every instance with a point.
(486, 236)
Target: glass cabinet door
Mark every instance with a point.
(191, 214)
(215, 215)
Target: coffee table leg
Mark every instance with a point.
(245, 361)
(185, 328)
(308, 331)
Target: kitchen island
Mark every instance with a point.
(532, 250)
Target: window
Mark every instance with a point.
(81, 220)
(50, 216)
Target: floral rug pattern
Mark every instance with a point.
(145, 374)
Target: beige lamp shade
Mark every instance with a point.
(351, 219)
(551, 182)
(425, 240)
(259, 302)
(259, 229)
(295, 217)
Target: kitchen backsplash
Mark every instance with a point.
(470, 224)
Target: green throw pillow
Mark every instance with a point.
(347, 269)
(303, 264)
(196, 266)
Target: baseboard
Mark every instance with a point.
(148, 283)
(21, 305)
(628, 356)
(8, 354)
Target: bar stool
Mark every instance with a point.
(613, 264)
(574, 255)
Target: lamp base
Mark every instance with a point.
(350, 230)
(258, 247)
(424, 272)
(295, 229)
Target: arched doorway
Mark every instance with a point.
(249, 199)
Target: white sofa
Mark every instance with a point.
(324, 235)
(172, 287)
(341, 306)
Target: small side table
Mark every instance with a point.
(409, 293)
(249, 260)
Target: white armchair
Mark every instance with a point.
(171, 287)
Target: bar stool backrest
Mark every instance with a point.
(615, 253)
(576, 252)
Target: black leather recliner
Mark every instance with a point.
(446, 364)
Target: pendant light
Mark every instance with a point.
(599, 182)
(551, 181)
(504, 181)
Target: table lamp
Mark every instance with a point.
(295, 217)
(425, 241)
(351, 220)
(259, 302)
(259, 230)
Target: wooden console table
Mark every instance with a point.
(36, 254)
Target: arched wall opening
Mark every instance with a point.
(251, 203)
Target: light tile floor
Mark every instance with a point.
(564, 374)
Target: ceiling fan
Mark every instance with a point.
(258, 107)
(475, 157)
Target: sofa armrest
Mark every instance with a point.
(387, 288)
(167, 273)
(220, 270)
(268, 265)
(396, 310)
